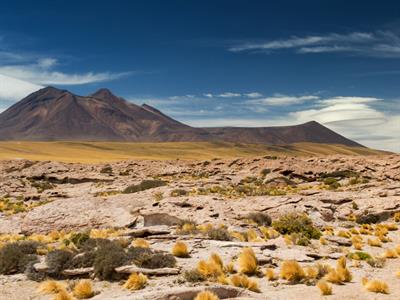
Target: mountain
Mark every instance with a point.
(52, 114)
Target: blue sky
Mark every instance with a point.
(217, 63)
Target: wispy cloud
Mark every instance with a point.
(385, 44)
(229, 95)
(43, 72)
(282, 100)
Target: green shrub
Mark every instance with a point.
(109, 256)
(262, 219)
(265, 172)
(134, 253)
(15, 257)
(219, 234)
(106, 170)
(332, 182)
(82, 260)
(367, 218)
(79, 239)
(144, 185)
(359, 255)
(193, 276)
(58, 261)
(155, 261)
(296, 223)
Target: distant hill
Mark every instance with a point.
(52, 114)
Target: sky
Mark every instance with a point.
(217, 63)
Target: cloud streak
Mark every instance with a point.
(43, 72)
(383, 44)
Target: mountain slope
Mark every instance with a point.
(51, 114)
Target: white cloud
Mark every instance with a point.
(254, 95)
(280, 99)
(385, 44)
(208, 95)
(12, 89)
(347, 100)
(229, 95)
(42, 72)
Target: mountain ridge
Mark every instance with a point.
(52, 114)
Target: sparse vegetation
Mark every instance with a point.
(194, 276)
(144, 185)
(260, 218)
(324, 287)
(296, 223)
(180, 249)
(219, 234)
(247, 262)
(292, 271)
(136, 281)
(83, 289)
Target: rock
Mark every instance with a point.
(156, 272)
(160, 219)
(338, 240)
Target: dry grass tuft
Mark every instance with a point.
(324, 287)
(63, 295)
(180, 249)
(244, 282)
(270, 274)
(334, 277)
(376, 286)
(83, 289)
(213, 268)
(206, 295)
(140, 243)
(247, 261)
(374, 242)
(311, 272)
(51, 287)
(136, 281)
(390, 253)
(341, 262)
(292, 271)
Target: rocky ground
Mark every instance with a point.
(215, 206)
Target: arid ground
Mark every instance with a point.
(263, 226)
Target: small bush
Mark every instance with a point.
(57, 261)
(140, 243)
(79, 239)
(262, 219)
(106, 170)
(376, 286)
(134, 253)
(15, 257)
(247, 262)
(83, 289)
(32, 274)
(179, 192)
(359, 255)
(180, 249)
(376, 262)
(51, 287)
(270, 274)
(324, 287)
(156, 260)
(367, 218)
(193, 276)
(244, 282)
(206, 295)
(292, 271)
(296, 223)
(136, 281)
(82, 260)
(219, 234)
(144, 185)
(108, 257)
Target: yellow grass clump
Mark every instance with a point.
(374, 242)
(222, 279)
(63, 295)
(83, 289)
(136, 281)
(180, 249)
(398, 249)
(252, 236)
(270, 274)
(51, 287)
(247, 261)
(334, 277)
(376, 286)
(205, 227)
(344, 234)
(292, 271)
(311, 272)
(230, 267)
(141, 243)
(391, 227)
(358, 246)
(323, 241)
(206, 295)
(244, 282)
(213, 268)
(390, 253)
(324, 287)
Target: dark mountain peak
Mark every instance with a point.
(104, 94)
